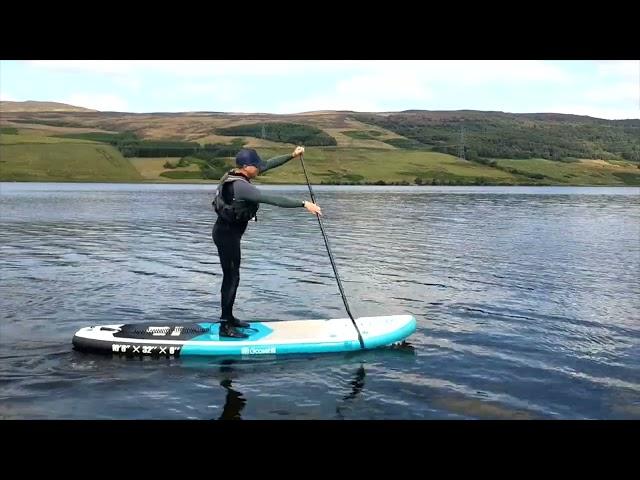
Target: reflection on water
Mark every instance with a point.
(234, 401)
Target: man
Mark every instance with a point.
(237, 201)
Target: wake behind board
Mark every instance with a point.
(275, 338)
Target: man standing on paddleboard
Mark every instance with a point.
(237, 201)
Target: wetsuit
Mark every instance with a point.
(227, 234)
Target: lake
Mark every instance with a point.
(527, 301)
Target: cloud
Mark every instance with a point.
(109, 67)
(364, 93)
(187, 68)
(328, 102)
(7, 98)
(609, 87)
(464, 71)
(475, 71)
(129, 82)
(384, 86)
(624, 70)
(388, 84)
(610, 113)
(221, 90)
(484, 71)
(198, 68)
(103, 102)
(217, 96)
(618, 92)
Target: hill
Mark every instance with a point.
(491, 135)
(49, 159)
(410, 147)
(31, 106)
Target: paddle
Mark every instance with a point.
(333, 263)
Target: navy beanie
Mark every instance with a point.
(248, 156)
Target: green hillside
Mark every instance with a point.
(412, 147)
(504, 135)
(54, 159)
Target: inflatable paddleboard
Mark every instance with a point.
(270, 338)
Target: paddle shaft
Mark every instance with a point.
(333, 263)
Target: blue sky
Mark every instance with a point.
(604, 89)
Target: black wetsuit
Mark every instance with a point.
(227, 235)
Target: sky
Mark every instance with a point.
(604, 89)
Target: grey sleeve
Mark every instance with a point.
(248, 192)
(277, 161)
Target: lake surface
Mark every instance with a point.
(527, 301)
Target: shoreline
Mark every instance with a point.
(215, 183)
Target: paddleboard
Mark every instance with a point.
(265, 338)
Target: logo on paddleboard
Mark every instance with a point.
(257, 350)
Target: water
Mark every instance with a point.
(527, 302)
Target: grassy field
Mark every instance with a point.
(38, 158)
(365, 153)
(64, 161)
(353, 139)
(582, 172)
(8, 139)
(151, 168)
(202, 129)
(330, 164)
(47, 130)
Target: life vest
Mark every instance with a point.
(232, 210)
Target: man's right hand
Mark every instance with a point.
(298, 151)
(313, 208)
